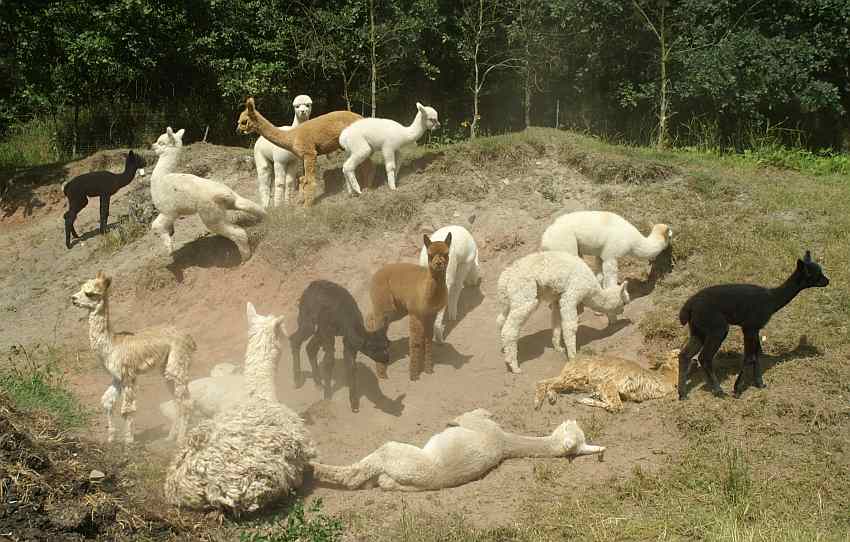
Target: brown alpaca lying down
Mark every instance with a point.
(406, 289)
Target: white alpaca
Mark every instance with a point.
(268, 157)
(365, 136)
(221, 390)
(605, 235)
(462, 270)
(473, 445)
(255, 451)
(560, 279)
(182, 194)
(126, 355)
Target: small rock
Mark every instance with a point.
(96, 475)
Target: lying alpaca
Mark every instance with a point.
(462, 269)
(251, 454)
(406, 289)
(315, 137)
(560, 279)
(612, 379)
(103, 184)
(126, 355)
(268, 156)
(366, 136)
(182, 194)
(223, 389)
(710, 311)
(326, 311)
(472, 446)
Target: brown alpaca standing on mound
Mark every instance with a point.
(307, 141)
(406, 289)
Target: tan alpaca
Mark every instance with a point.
(126, 355)
(613, 380)
(406, 289)
(317, 136)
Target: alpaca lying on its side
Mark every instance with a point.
(365, 136)
(101, 184)
(406, 289)
(182, 194)
(462, 270)
(711, 311)
(612, 379)
(472, 446)
(326, 311)
(560, 279)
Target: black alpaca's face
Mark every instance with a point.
(810, 274)
(377, 346)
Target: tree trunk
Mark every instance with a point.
(76, 129)
(663, 99)
(527, 116)
(374, 57)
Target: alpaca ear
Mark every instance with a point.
(448, 240)
(251, 311)
(426, 240)
(808, 257)
(624, 291)
(419, 106)
(180, 133)
(169, 131)
(249, 104)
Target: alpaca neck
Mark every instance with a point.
(100, 336)
(261, 359)
(522, 446)
(649, 247)
(782, 295)
(295, 122)
(166, 164)
(416, 128)
(281, 138)
(437, 283)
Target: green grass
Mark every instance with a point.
(29, 144)
(298, 525)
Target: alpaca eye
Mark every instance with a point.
(90, 294)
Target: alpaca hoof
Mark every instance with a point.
(429, 371)
(515, 370)
(552, 397)
(760, 385)
(413, 378)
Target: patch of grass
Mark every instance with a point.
(127, 231)
(30, 144)
(423, 527)
(298, 526)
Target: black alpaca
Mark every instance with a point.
(326, 311)
(102, 184)
(711, 311)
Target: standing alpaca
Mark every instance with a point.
(560, 279)
(406, 289)
(612, 379)
(126, 355)
(326, 311)
(182, 194)
(103, 184)
(462, 270)
(710, 311)
(469, 448)
(268, 156)
(366, 136)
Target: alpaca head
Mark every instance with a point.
(429, 116)
(137, 161)
(572, 438)
(809, 274)
(611, 300)
(662, 231)
(92, 294)
(377, 346)
(247, 123)
(303, 106)
(169, 141)
(266, 326)
(438, 253)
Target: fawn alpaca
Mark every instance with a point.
(406, 289)
(710, 311)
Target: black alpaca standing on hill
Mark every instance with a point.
(710, 311)
(102, 184)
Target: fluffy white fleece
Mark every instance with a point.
(269, 158)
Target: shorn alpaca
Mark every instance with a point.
(366, 136)
(271, 159)
(711, 311)
(472, 446)
(406, 289)
(560, 279)
(252, 453)
(125, 356)
(100, 184)
(612, 379)
(462, 270)
(326, 311)
(307, 141)
(182, 194)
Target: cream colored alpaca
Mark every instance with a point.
(269, 158)
(126, 355)
(612, 379)
(221, 390)
(182, 194)
(564, 282)
(472, 446)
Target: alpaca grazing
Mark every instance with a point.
(560, 279)
(366, 136)
(100, 184)
(251, 453)
(269, 158)
(469, 448)
(612, 379)
(182, 194)
(126, 355)
(462, 270)
(711, 311)
(406, 289)
(326, 311)
(307, 141)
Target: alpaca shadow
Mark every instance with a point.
(661, 266)
(208, 251)
(94, 232)
(407, 167)
(441, 353)
(18, 186)
(532, 346)
(368, 386)
(470, 298)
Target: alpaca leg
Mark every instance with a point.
(758, 380)
(427, 337)
(104, 213)
(473, 274)
(290, 172)
(232, 232)
(163, 226)
(390, 166)
(264, 179)
(107, 401)
(610, 272)
(556, 327)
(357, 155)
(453, 298)
(295, 341)
(609, 397)
(366, 173)
(350, 359)
(75, 205)
(128, 408)
(180, 391)
(691, 348)
(439, 328)
(513, 322)
(417, 340)
(309, 184)
(706, 357)
(549, 389)
(569, 324)
(327, 366)
(313, 346)
(279, 191)
(751, 348)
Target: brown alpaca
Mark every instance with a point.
(406, 289)
(307, 141)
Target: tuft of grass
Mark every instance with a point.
(30, 143)
(424, 527)
(127, 231)
(298, 526)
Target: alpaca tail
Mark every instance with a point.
(685, 313)
(237, 202)
(350, 477)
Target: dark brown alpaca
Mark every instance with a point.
(406, 289)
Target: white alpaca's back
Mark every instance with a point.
(591, 233)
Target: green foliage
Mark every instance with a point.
(298, 527)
